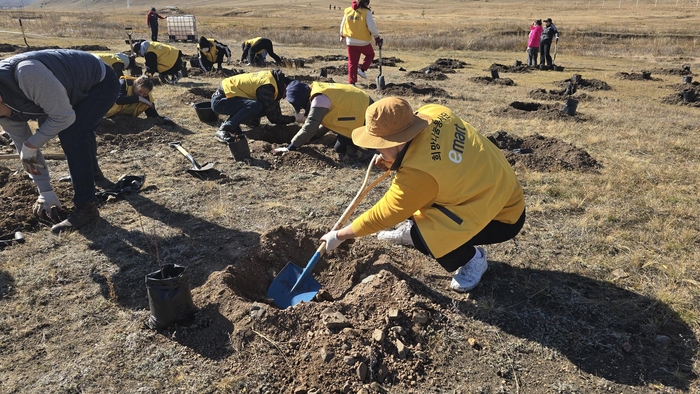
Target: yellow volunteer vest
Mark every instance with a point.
(252, 42)
(245, 85)
(135, 109)
(356, 24)
(167, 55)
(348, 106)
(213, 51)
(476, 182)
(110, 59)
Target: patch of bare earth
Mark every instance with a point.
(531, 110)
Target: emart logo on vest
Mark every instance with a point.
(460, 137)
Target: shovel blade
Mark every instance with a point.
(285, 291)
(380, 82)
(206, 167)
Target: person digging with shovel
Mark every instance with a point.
(245, 98)
(67, 92)
(453, 188)
(327, 106)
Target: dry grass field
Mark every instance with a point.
(599, 293)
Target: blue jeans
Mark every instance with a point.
(78, 140)
(239, 110)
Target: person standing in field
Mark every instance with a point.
(549, 33)
(357, 29)
(453, 188)
(152, 21)
(533, 42)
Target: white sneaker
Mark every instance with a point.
(469, 275)
(400, 236)
(361, 73)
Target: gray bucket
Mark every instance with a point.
(570, 107)
(494, 74)
(688, 96)
(687, 79)
(204, 112)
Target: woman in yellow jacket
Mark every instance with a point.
(357, 30)
(135, 98)
(454, 186)
(160, 58)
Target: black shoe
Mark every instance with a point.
(81, 216)
(222, 136)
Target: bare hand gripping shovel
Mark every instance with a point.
(195, 166)
(294, 284)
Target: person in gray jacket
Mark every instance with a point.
(67, 92)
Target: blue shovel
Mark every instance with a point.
(294, 284)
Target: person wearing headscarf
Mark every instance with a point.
(358, 30)
(453, 188)
(212, 52)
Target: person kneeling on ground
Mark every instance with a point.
(327, 106)
(247, 97)
(212, 52)
(258, 46)
(135, 98)
(456, 199)
(160, 58)
(67, 92)
(120, 62)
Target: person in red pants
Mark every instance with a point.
(358, 30)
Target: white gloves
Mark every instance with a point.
(332, 240)
(145, 101)
(299, 117)
(43, 207)
(228, 61)
(30, 159)
(280, 151)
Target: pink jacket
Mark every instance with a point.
(533, 40)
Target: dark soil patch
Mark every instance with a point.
(557, 95)
(677, 98)
(437, 70)
(636, 76)
(125, 132)
(495, 81)
(683, 70)
(327, 58)
(89, 48)
(386, 62)
(223, 73)
(17, 195)
(538, 111)
(337, 70)
(311, 78)
(521, 68)
(25, 49)
(428, 74)
(545, 154)
(586, 84)
(8, 47)
(412, 90)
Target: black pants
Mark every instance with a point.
(154, 32)
(175, 68)
(494, 233)
(342, 143)
(209, 66)
(265, 44)
(545, 47)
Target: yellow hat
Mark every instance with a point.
(389, 122)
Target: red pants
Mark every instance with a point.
(354, 53)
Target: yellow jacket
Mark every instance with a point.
(134, 109)
(111, 58)
(348, 106)
(467, 182)
(212, 53)
(252, 42)
(246, 85)
(356, 24)
(166, 55)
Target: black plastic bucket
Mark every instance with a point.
(494, 74)
(205, 113)
(322, 72)
(687, 79)
(517, 63)
(688, 96)
(570, 107)
(238, 145)
(169, 297)
(646, 74)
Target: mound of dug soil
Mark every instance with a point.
(4, 47)
(428, 74)
(386, 62)
(556, 95)
(642, 76)
(677, 98)
(341, 70)
(495, 81)
(521, 68)
(586, 84)
(412, 90)
(327, 58)
(524, 110)
(683, 70)
(223, 73)
(543, 153)
(18, 194)
(125, 132)
(437, 70)
(311, 78)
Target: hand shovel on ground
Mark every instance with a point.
(195, 166)
(17, 237)
(380, 77)
(294, 284)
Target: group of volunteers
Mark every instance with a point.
(540, 42)
(453, 190)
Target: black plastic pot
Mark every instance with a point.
(323, 73)
(646, 74)
(169, 297)
(494, 74)
(238, 145)
(687, 79)
(688, 96)
(205, 113)
(570, 107)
